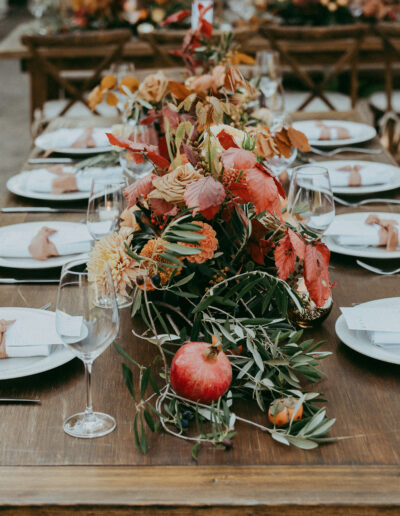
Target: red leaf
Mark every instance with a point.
(125, 143)
(176, 17)
(206, 28)
(205, 196)
(149, 119)
(172, 116)
(258, 247)
(263, 192)
(277, 182)
(162, 207)
(298, 244)
(140, 188)
(316, 275)
(285, 257)
(158, 160)
(238, 159)
(226, 140)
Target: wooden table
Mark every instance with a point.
(44, 471)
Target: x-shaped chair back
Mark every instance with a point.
(390, 35)
(47, 49)
(350, 38)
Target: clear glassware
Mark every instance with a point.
(268, 73)
(106, 203)
(141, 134)
(87, 321)
(278, 164)
(310, 198)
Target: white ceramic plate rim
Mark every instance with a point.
(30, 263)
(364, 190)
(40, 142)
(14, 185)
(370, 133)
(61, 355)
(363, 252)
(359, 341)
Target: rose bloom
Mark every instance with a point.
(154, 87)
(204, 83)
(172, 186)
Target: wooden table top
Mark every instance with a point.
(44, 470)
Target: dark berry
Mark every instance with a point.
(188, 414)
(140, 280)
(184, 423)
(156, 280)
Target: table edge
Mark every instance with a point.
(200, 486)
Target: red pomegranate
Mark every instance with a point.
(200, 372)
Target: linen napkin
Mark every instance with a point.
(74, 239)
(381, 323)
(28, 335)
(50, 180)
(77, 138)
(366, 232)
(356, 175)
(329, 131)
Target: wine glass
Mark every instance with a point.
(106, 203)
(310, 199)
(87, 321)
(278, 164)
(268, 72)
(140, 134)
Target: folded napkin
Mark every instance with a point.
(370, 232)
(28, 242)
(380, 323)
(332, 131)
(26, 335)
(61, 179)
(77, 138)
(356, 175)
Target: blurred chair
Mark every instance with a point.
(330, 49)
(62, 59)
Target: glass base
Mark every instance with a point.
(89, 425)
(124, 301)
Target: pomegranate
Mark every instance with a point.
(200, 372)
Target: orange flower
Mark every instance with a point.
(96, 97)
(153, 250)
(129, 82)
(108, 82)
(208, 245)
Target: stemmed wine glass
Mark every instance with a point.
(140, 134)
(310, 199)
(106, 203)
(278, 164)
(87, 321)
(268, 72)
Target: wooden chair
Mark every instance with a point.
(293, 43)
(52, 55)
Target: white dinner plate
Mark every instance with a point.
(359, 340)
(393, 172)
(362, 132)
(17, 186)
(61, 142)
(20, 367)
(30, 263)
(359, 251)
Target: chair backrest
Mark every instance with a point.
(344, 40)
(49, 51)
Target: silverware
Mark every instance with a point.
(45, 307)
(376, 270)
(42, 161)
(365, 201)
(35, 401)
(14, 281)
(43, 209)
(345, 149)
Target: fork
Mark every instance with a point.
(376, 270)
(345, 149)
(365, 201)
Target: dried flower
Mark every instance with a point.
(172, 186)
(95, 98)
(154, 87)
(208, 245)
(155, 265)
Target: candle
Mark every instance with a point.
(195, 12)
(107, 212)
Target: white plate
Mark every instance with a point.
(19, 367)
(359, 340)
(364, 190)
(363, 252)
(16, 185)
(51, 141)
(364, 131)
(30, 263)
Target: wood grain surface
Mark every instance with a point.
(38, 462)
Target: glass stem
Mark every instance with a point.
(88, 378)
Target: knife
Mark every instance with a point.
(14, 281)
(21, 400)
(43, 209)
(41, 161)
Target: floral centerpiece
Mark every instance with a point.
(214, 262)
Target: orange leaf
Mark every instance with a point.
(108, 82)
(178, 89)
(112, 99)
(125, 143)
(297, 243)
(285, 257)
(238, 159)
(263, 192)
(298, 140)
(316, 275)
(239, 58)
(158, 160)
(205, 196)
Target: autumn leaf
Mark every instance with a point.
(316, 275)
(140, 188)
(263, 192)
(257, 246)
(158, 160)
(298, 139)
(161, 207)
(205, 196)
(125, 143)
(238, 159)
(283, 143)
(276, 180)
(298, 244)
(112, 99)
(178, 89)
(239, 58)
(285, 257)
(226, 140)
(176, 17)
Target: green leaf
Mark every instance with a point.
(195, 450)
(128, 378)
(144, 382)
(182, 249)
(143, 437)
(149, 420)
(183, 281)
(136, 433)
(125, 355)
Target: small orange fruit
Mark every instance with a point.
(281, 411)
